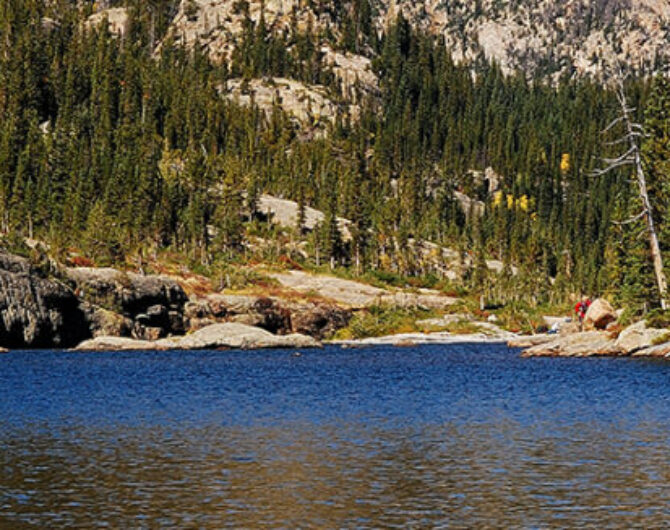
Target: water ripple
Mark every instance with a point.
(458, 436)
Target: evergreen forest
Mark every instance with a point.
(123, 154)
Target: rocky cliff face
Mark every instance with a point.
(539, 37)
(36, 312)
(41, 312)
(119, 303)
(217, 25)
(544, 39)
(547, 37)
(310, 107)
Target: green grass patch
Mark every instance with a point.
(379, 321)
(521, 317)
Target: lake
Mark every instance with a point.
(457, 436)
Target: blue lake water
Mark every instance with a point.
(457, 436)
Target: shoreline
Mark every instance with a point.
(528, 346)
(121, 345)
(423, 339)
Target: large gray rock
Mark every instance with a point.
(116, 344)
(660, 350)
(599, 315)
(239, 336)
(531, 340)
(221, 305)
(263, 312)
(587, 344)
(358, 295)
(35, 311)
(279, 316)
(154, 304)
(318, 320)
(197, 309)
(128, 293)
(117, 19)
(639, 336)
(105, 323)
(217, 336)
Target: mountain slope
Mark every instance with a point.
(545, 37)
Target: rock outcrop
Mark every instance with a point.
(118, 20)
(218, 25)
(639, 337)
(35, 311)
(472, 208)
(101, 303)
(448, 262)
(581, 37)
(317, 319)
(354, 73)
(126, 291)
(539, 37)
(531, 341)
(285, 213)
(239, 336)
(637, 340)
(217, 336)
(660, 350)
(601, 337)
(415, 339)
(587, 344)
(359, 295)
(309, 106)
(105, 343)
(151, 306)
(105, 323)
(599, 315)
(282, 317)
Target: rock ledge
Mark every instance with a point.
(217, 336)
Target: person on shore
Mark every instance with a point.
(581, 308)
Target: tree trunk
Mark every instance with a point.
(654, 246)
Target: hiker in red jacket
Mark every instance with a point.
(581, 308)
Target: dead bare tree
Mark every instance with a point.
(633, 134)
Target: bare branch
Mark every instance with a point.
(621, 161)
(632, 219)
(627, 139)
(612, 167)
(613, 124)
(625, 156)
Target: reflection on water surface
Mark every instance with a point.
(433, 436)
